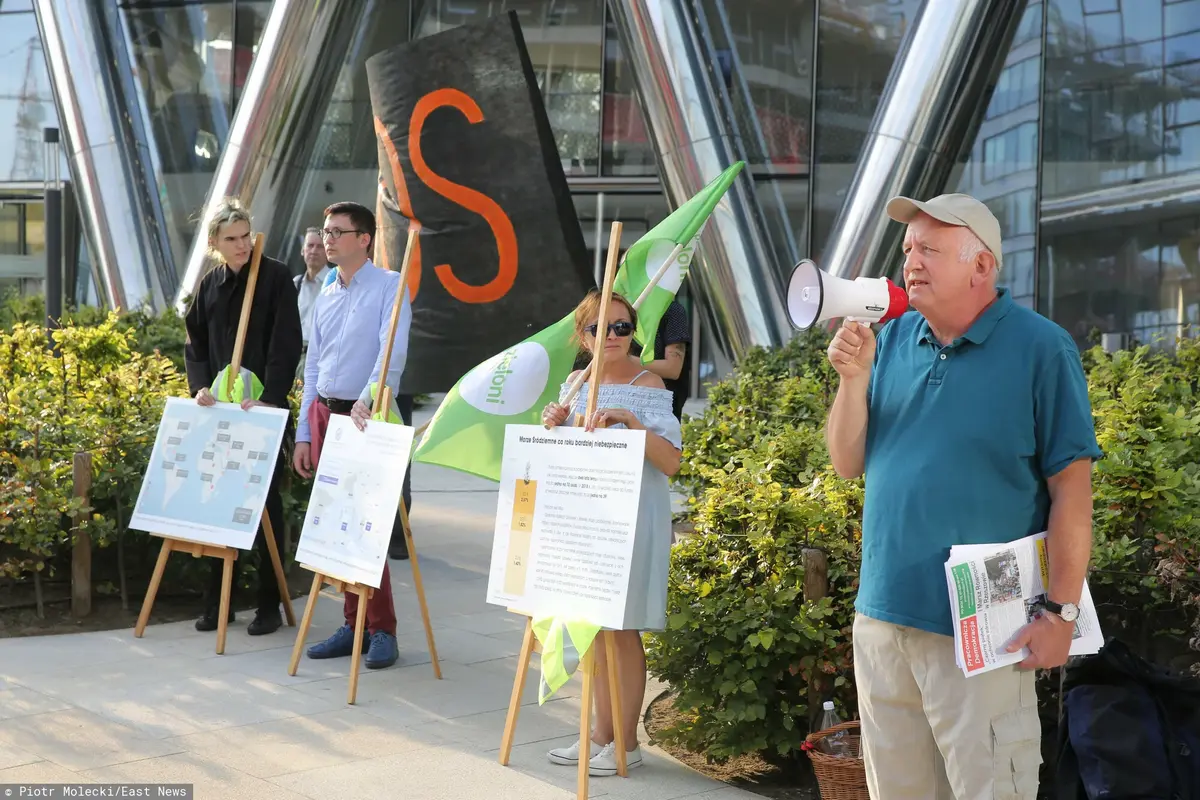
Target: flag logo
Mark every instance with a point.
(660, 251)
(509, 383)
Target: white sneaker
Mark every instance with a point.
(569, 756)
(605, 762)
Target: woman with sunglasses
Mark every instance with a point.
(633, 398)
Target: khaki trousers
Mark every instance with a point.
(931, 733)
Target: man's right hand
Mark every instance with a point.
(204, 397)
(302, 459)
(852, 351)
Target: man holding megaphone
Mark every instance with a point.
(970, 421)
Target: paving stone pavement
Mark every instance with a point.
(105, 707)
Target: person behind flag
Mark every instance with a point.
(634, 398)
(271, 352)
(345, 353)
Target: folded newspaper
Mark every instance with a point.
(995, 589)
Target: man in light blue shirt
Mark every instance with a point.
(350, 322)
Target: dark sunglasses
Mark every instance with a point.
(621, 328)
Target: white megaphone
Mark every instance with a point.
(815, 296)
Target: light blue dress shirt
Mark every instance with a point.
(345, 348)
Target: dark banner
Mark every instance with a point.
(467, 155)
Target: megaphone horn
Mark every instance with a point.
(815, 296)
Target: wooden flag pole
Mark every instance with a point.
(320, 578)
(637, 304)
(529, 643)
(227, 554)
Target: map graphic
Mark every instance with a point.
(355, 496)
(209, 473)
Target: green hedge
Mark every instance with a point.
(742, 643)
(100, 390)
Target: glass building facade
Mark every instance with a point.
(1087, 146)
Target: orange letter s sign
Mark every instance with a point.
(481, 204)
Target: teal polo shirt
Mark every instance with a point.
(960, 441)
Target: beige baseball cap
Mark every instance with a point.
(953, 209)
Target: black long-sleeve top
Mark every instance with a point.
(273, 338)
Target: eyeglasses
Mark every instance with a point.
(621, 328)
(336, 233)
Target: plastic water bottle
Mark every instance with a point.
(834, 744)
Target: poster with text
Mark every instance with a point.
(209, 473)
(355, 496)
(566, 517)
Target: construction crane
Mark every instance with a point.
(30, 115)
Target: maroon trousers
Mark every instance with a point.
(381, 611)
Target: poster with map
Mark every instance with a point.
(209, 472)
(355, 496)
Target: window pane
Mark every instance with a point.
(26, 99)
(35, 228)
(10, 229)
(184, 57)
(765, 52)
(565, 39)
(1118, 95)
(625, 141)
(857, 44)
(1141, 278)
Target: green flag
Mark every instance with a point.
(512, 387)
(564, 643)
(646, 256)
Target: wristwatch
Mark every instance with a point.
(1069, 612)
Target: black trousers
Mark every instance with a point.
(268, 585)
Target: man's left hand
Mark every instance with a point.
(1048, 638)
(360, 414)
(248, 404)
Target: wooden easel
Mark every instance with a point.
(175, 544)
(383, 400)
(530, 644)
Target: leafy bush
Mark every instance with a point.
(1146, 516)
(742, 643)
(100, 390)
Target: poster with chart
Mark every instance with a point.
(209, 472)
(566, 517)
(355, 496)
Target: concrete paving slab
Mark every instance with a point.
(430, 774)
(212, 780)
(482, 732)
(22, 702)
(106, 706)
(321, 740)
(14, 757)
(40, 772)
(79, 740)
(657, 770)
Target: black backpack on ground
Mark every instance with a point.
(1130, 730)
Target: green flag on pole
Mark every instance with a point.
(646, 257)
(513, 386)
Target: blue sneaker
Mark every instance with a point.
(383, 652)
(336, 646)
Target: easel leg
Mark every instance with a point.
(159, 568)
(420, 587)
(305, 622)
(514, 704)
(614, 691)
(226, 590)
(285, 596)
(360, 622)
(585, 723)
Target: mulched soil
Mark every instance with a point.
(750, 772)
